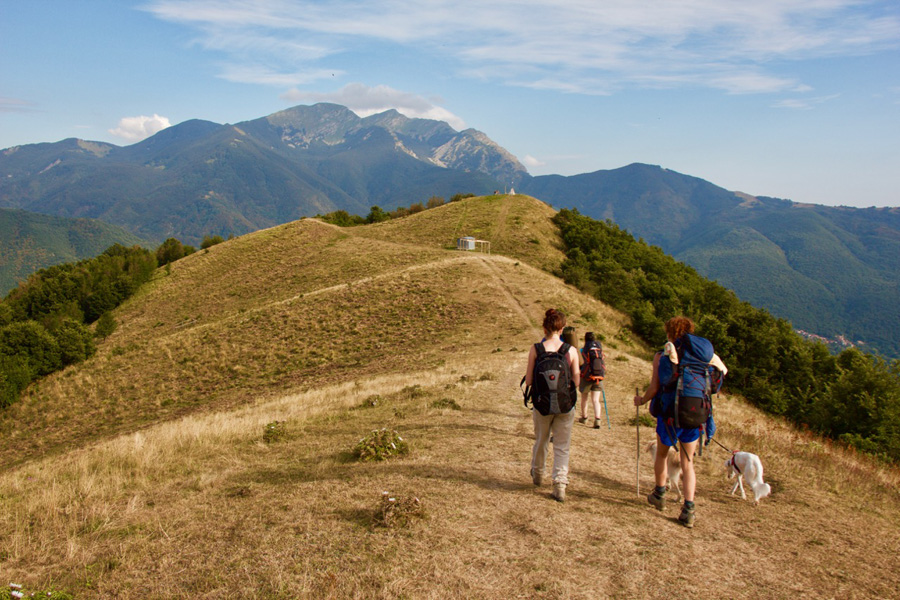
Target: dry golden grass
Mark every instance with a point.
(186, 500)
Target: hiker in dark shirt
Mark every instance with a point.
(557, 426)
(667, 435)
(590, 387)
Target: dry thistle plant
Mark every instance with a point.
(395, 511)
(275, 431)
(16, 592)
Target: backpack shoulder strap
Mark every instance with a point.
(564, 349)
(539, 348)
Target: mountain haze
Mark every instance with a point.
(145, 472)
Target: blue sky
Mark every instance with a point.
(796, 99)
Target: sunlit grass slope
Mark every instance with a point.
(291, 307)
(158, 481)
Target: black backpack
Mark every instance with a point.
(594, 367)
(552, 390)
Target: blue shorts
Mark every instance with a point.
(685, 436)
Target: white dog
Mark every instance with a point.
(747, 466)
(673, 467)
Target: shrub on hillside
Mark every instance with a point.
(342, 218)
(446, 403)
(210, 240)
(380, 444)
(458, 197)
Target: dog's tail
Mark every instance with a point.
(761, 490)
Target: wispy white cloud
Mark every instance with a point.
(261, 74)
(15, 105)
(135, 129)
(532, 162)
(365, 100)
(804, 103)
(598, 47)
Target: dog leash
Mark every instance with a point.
(721, 446)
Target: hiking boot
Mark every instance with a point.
(559, 492)
(582, 419)
(596, 423)
(658, 501)
(536, 477)
(686, 517)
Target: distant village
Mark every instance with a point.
(838, 343)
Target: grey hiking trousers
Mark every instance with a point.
(559, 427)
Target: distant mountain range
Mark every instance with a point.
(831, 271)
(199, 178)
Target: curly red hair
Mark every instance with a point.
(678, 326)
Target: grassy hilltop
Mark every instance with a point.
(148, 472)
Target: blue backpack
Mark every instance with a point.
(685, 400)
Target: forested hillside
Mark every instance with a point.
(853, 397)
(30, 241)
(832, 271)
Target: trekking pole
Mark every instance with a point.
(605, 408)
(637, 460)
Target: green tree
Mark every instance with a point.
(376, 215)
(75, 342)
(106, 325)
(169, 251)
(31, 341)
(211, 240)
(15, 375)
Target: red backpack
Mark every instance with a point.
(594, 367)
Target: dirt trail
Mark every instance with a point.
(791, 545)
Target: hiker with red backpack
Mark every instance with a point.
(551, 381)
(680, 393)
(593, 370)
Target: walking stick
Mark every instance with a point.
(637, 460)
(605, 408)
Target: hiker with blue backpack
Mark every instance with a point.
(551, 381)
(685, 375)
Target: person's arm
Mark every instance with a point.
(573, 366)
(529, 374)
(654, 384)
(717, 363)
